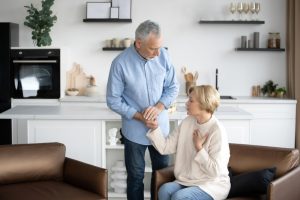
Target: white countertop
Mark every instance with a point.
(87, 112)
(247, 99)
(83, 107)
(183, 99)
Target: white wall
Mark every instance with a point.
(200, 47)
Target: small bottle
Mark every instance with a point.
(272, 40)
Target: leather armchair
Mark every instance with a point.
(246, 158)
(41, 171)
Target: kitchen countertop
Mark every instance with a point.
(183, 99)
(83, 107)
(247, 99)
(88, 112)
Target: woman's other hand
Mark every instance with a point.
(198, 139)
(152, 124)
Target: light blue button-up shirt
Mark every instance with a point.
(134, 84)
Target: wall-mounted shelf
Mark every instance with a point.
(259, 49)
(230, 22)
(108, 20)
(113, 48)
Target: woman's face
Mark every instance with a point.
(192, 105)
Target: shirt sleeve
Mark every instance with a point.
(114, 91)
(171, 86)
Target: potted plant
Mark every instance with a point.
(280, 92)
(269, 88)
(41, 21)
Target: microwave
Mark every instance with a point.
(35, 73)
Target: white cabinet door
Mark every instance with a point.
(238, 131)
(273, 132)
(81, 137)
(273, 124)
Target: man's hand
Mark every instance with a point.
(152, 112)
(199, 140)
(152, 124)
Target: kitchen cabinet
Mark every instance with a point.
(113, 153)
(81, 137)
(273, 124)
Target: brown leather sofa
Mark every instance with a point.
(247, 158)
(41, 171)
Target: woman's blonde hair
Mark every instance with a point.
(207, 96)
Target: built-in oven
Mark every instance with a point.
(35, 73)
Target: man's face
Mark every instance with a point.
(150, 47)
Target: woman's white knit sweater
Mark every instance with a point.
(206, 168)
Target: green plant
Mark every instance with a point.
(280, 92)
(269, 88)
(41, 21)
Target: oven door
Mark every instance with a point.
(36, 78)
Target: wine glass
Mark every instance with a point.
(257, 8)
(232, 9)
(246, 9)
(240, 9)
(252, 9)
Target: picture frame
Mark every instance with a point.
(124, 8)
(98, 10)
(114, 12)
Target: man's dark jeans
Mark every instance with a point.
(135, 166)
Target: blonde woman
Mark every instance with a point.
(201, 147)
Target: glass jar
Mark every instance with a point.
(272, 40)
(277, 35)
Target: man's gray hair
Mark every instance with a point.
(145, 28)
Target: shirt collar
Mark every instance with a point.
(139, 55)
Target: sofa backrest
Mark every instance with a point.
(246, 158)
(31, 162)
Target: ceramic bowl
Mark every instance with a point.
(72, 93)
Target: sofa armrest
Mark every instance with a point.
(162, 176)
(86, 176)
(286, 186)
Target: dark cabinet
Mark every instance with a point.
(9, 37)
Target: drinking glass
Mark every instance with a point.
(246, 9)
(252, 9)
(240, 9)
(232, 9)
(257, 8)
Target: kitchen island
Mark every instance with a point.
(84, 128)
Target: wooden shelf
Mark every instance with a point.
(113, 48)
(107, 20)
(230, 22)
(259, 49)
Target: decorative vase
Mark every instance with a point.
(188, 85)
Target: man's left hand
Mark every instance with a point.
(152, 112)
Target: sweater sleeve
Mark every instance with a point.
(164, 145)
